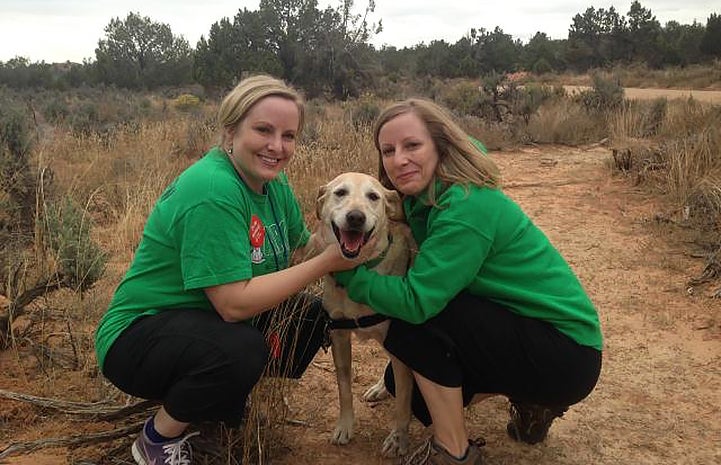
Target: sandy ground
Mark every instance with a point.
(659, 396)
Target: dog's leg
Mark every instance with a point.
(396, 444)
(377, 392)
(341, 349)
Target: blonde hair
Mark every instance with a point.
(236, 105)
(460, 161)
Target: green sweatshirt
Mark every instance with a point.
(482, 242)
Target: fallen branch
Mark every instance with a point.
(711, 271)
(66, 406)
(321, 367)
(18, 304)
(716, 294)
(76, 440)
(513, 185)
(595, 144)
(104, 410)
(144, 407)
(293, 421)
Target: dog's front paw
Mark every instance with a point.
(377, 392)
(343, 432)
(396, 444)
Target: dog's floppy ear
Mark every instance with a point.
(394, 205)
(320, 200)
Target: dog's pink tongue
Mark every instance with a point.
(351, 240)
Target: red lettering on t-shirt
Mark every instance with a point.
(257, 231)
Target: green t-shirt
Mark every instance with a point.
(482, 242)
(208, 228)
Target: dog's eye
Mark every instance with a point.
(373, 196)
(341, 192)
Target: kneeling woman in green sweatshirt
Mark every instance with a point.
(489, 306)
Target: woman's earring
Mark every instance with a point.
(230, 150)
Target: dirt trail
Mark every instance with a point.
(709, 96)
(659, 397)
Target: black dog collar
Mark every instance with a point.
(356, 323)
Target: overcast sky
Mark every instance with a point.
(61, 30)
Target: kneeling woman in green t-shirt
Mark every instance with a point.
(188, 323)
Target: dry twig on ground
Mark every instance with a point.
(75, 440)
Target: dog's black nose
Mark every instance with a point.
(355, 218)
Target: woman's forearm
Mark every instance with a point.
(242, 300)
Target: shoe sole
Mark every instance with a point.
(137, 455)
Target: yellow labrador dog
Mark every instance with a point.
(353, 208)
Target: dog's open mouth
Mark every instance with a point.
(351, 240)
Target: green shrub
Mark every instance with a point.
(85, 118)
(56, 110)
(542, 66)
(81, 261)
(364, 112)
(465, 99)
(17, 181)
(530, 98)
(605, 95)
(186, 102)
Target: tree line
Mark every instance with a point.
(328, 51)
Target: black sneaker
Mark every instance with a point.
(529, 423)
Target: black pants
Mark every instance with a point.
(202, 368)
(484, 348)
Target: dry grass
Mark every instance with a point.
(694, 174)
(120, 179)
(676, 151)
(565, 121)
(638, 119)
